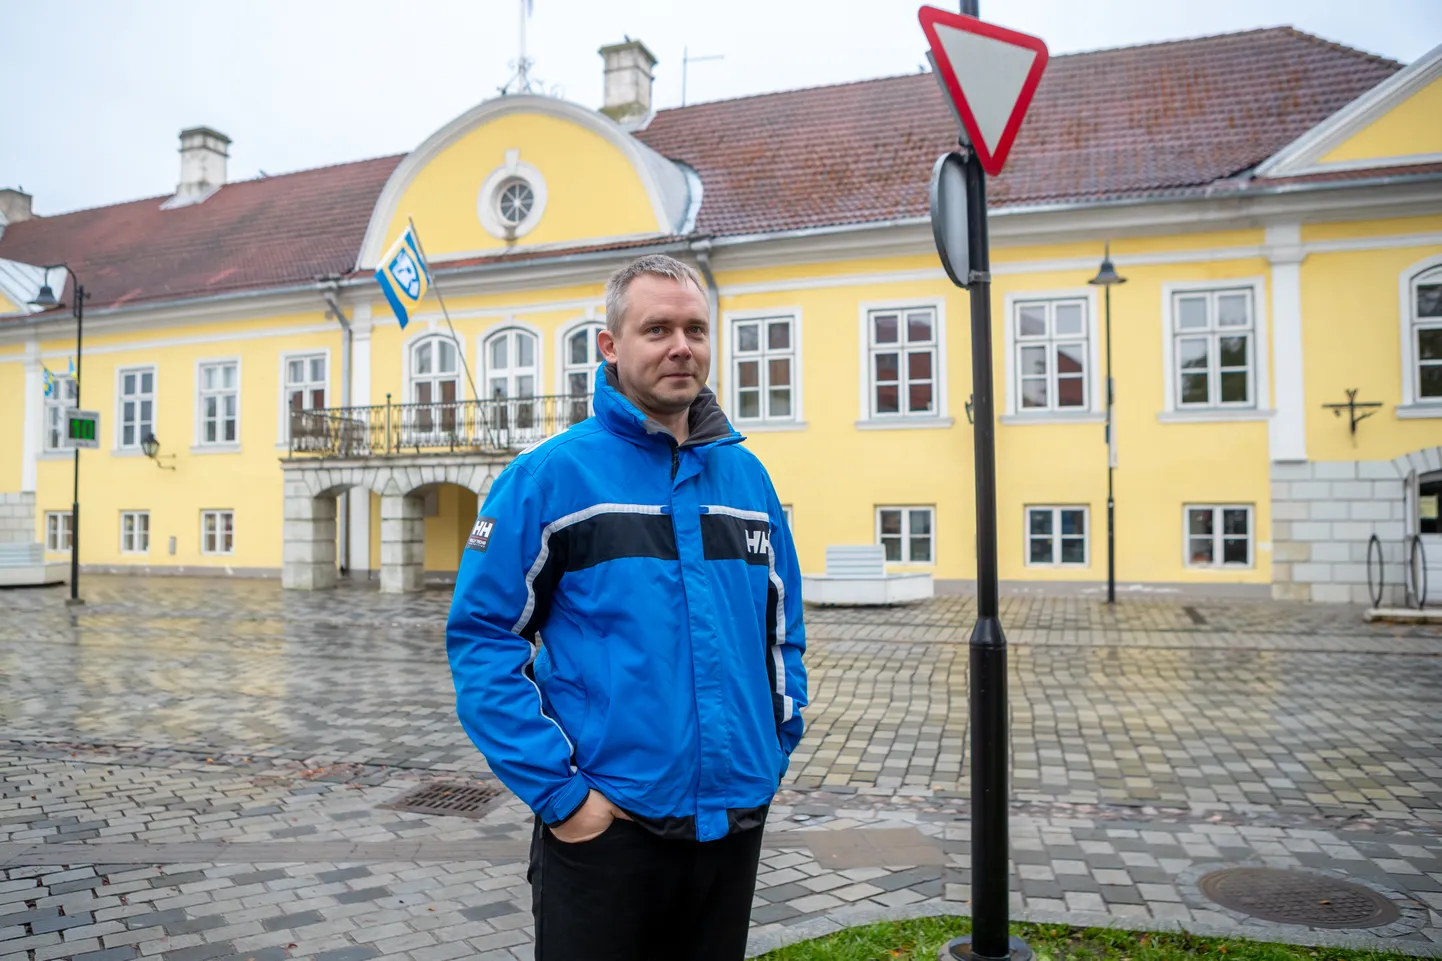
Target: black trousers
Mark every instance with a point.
(629, 895)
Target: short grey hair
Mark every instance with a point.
(658, 264)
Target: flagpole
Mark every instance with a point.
(465, 365)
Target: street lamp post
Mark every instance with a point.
(46, 298)
(1107, 278)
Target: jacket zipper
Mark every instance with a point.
(675, 459)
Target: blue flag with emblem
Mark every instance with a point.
(49, 381)
(404, 276)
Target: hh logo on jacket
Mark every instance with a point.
(758, 542)
(481, 534)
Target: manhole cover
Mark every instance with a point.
(445, 797)
(1294, 897)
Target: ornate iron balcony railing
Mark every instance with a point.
(500, 425)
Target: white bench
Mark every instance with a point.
(856, 575)
(23, 565)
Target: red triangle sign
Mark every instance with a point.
(991, 74)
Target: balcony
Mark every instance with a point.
(483, 426)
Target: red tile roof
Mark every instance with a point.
(1161, 119)
(270, 232)
(1113, 123)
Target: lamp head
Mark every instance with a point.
(46, 298)
(1107, 276)
(150, 445)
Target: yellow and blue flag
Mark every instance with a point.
(49, 381)
(404, 276)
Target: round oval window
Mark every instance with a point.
(515, 201)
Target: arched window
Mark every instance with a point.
(1427, 335)
(581, 356)
(512, 365)
(434, 372)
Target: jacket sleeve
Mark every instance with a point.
(493, 621)
(790, 625)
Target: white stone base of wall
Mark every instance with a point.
(1324, 514)
(17, 517)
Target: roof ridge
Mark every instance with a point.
(266, 178)
(1203, 38)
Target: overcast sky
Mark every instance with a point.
(96, 91)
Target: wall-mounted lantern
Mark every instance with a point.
(151, 448)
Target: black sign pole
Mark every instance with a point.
(990, 839)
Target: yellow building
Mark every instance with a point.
(1273, 201)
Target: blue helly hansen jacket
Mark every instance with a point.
(627, 617)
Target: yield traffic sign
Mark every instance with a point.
(990, 73)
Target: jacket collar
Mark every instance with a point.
(708, 423)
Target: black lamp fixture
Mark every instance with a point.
(45, 299)
(151, 448)
(1107, 277)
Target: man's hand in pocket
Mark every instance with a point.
(590, 820)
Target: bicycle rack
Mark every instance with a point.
(1376, 571)
(1416, 580)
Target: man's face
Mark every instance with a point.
(663, 351)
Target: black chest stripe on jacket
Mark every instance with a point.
(725, 537)
(601, 537)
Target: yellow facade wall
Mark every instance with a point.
(1407, 130)
(247, 481)
(12, 406)
(1352, 337)
(592, 189)
(7, 306)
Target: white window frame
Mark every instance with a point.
(563, 366)
(1094, 411)
(1056, 536)
(139, 532)
(797, 419)
(283, 420)
(1218, 538)
(56, 406)
(906, 535)
(120, 373)
(1259, 407)
(483, 349)
(220, 514)
(488, 197)
(1413, 404)
(940, 417)
(787, 512)
(219, 444)
(58, 531)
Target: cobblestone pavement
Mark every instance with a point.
(194, 768)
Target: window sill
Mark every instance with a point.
(1057, 567)
(1213, 415)
(56, 455)
(215, 449)
(905, 423)
(768, 427)
(127, 452)
(1415, 411)
(1220, 568)
(1053, 417)
(228, 554)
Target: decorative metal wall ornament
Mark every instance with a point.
(1352, 407)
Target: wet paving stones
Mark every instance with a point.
(195, 768)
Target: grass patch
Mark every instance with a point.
(920, 939)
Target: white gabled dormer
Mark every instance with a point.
(1392, 125)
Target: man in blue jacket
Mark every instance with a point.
(626, 640)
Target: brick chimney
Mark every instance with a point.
(203, 156)
(14, 206)
(628, 81)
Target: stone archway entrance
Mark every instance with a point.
(311, 486)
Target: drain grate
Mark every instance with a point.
(447, 798)
(1295, 897)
